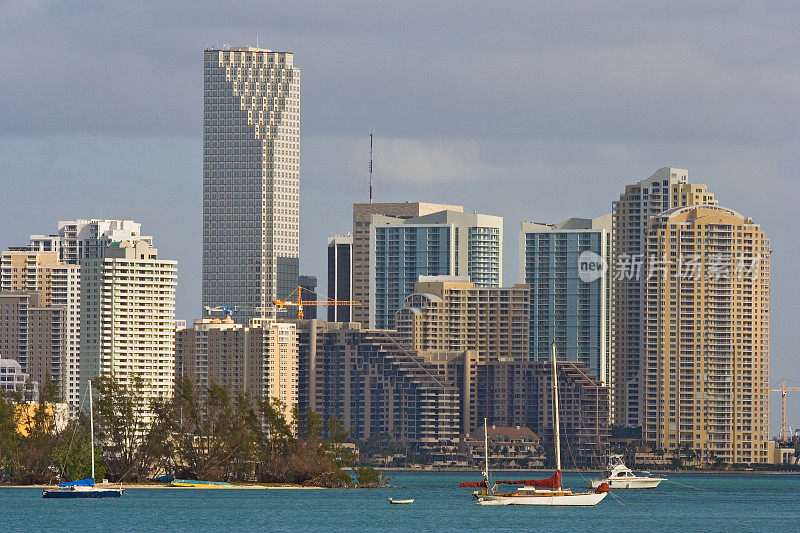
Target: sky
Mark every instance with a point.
(529, 110)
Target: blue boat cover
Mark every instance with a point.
(87, 482)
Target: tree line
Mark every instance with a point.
(207, 434)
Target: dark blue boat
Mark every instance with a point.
(82, 488)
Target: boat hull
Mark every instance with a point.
(98, 493)
(578, 499)
(626, 483)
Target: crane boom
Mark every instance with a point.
(299, 303)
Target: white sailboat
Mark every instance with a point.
(547, 491)
(619, 476)
(84, 488)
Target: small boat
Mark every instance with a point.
(84, 488)
(619, 476)
(545, 492)
(398, 502)
(193, 483)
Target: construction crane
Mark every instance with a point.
(784, 436)
(299, 303)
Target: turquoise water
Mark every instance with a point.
(714, 503)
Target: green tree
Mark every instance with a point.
(369, 477)
(73, 455)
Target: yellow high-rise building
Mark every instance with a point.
(707, 329)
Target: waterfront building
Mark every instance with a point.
(340, 277)
(50, 346)
(569, 303)
(361, 251)
(665, 189)
(452, 314)
(707, 330)
(509, 447)
(12, 378)
(444, 243)
(260, 359)
(251, 179)
(128, 318)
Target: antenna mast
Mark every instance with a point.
(370, 165)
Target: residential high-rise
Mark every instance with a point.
(340, 277)
(444, 243)
(89, 238)
(452, 314)
(570, 296)
(260, 359)
(665, 189)
(707, 330)
(53, 337)
(128, 318)
(251, 179)
(362, 220)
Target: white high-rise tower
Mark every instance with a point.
(251, 179)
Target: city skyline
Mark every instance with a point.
(552, 163)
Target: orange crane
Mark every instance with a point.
(299, 303)
(784, 436)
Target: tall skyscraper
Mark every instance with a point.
(445, 243)
(570, 304)
(128, 318)
(665, 189)
(251, 179)
(340, 276)
(362, 220)
(707, 320)
(308, 291)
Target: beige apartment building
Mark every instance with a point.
(707, 320)
(260, 359)
(665, 189)
(52, 344)
(362, 221)
(128, 318)
(451, 314)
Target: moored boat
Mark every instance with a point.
(545, 492)
(397, 502)
(619, 476)
(193, 483)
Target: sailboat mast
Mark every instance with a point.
(555, 411)
(91, 426)
(486, 451)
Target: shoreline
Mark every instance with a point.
(129, 486)
(599, 471)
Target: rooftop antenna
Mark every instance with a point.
(371, 133)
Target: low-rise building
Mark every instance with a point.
(509, 447)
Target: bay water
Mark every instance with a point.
(685, 503)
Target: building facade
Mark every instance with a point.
(251, 179)
(53, 338)
(361, 251)
(665, 189)
(445, 243)
(452, 314)
(707, 319)
(89, 238)
(308, 292)
(12, 378)
(128, 318)
(340, 277)
(570, 304)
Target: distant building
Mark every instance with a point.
(251, 179)
(707, 335)
(309, 292)
(665, 189)
(128, 317)
(12, 378)
(50, 314)
(362, 222)
(445, 243)
(340, 277)
(452, 314)
(569, 306)
(89, 238)
(509, 447)
(260, 359)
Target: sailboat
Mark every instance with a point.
(84, 488)
(546, 491)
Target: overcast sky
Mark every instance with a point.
(532, 111)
